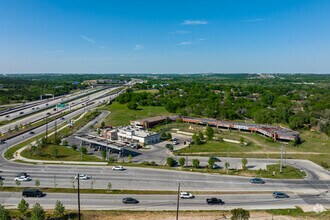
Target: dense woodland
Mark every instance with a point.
(300, 101)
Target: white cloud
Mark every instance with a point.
(194, 22)
(138, 47)
(254, 20)
(180, 32)
(185, 43)
(87, 39)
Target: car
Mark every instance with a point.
(22, 178)
(129, 200)
(31, 132)
(257, 181)
(7, 116)
(21, 113)
(280, 195)
(186, 195)
(215, 201)
(82, 177)
(174, 139)
(48, 113)
(216, 166)
(22, 174)
(120, 168)
(1, 178)
(32, 193)
(215, 159)
(2, 142)
(32, 108)
(63, 118)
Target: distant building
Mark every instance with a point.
(132, 133)
(150, 122)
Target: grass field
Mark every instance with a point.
(64, 154)
(152, 91)
(121, 115)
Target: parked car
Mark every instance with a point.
(82, 177)
(186, 195)
(118, 168)
(32, 193)
(257, 181)
(175, 142)
(22, 178)
(174, 139)
(129, 200)
(280, 195)
(22, 174)
(214, 201)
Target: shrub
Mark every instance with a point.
(171, 162)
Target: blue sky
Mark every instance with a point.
(164, 36)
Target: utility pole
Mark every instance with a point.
(178, 203)
(78, 198)
(281, 161)
(55, 134)
(46, 128)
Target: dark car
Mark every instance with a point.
(215, 159)
(22, 174)
(32, 132)
(257, 181)
(215, 201)
(2, 142)
(280, 195)
(32, 193)
(130, 200)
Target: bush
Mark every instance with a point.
(182, 161)
(148, 163)
(195, 163)
(83, 150)
(240, 214)
(325, 165)
(171, 162)
(74, 147)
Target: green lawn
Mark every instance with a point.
(221, 147)
(152, 91)
(64, 154)
(121, 115)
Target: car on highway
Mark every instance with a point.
(31, 132)
(280, 195)
(21, 113)
(32, 193)
(130, 200)
(22, 174)
(48, 113)
(186, 195)
(257, 181)
(32, 108)
(215, 201)
(7, 116)
(118, 168)
(1, 178)
(22, 178)
(63, 118)
(82, 177)
(2, 142)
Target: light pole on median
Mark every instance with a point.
(78, 198)
(178, 203)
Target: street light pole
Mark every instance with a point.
(281, 161)
(178, 203)
(78, 198)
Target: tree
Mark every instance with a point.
(201, 135)
(196, 139)
(4, 213)
(182, 161)
(109, 186)
(130, 158)
(244, 163)
(55, 152)
(241, 141)
(195, 163)
(59, 211)
(132, 105)
(163, 136)
(102, 124)
(227, 165)
(37, 183)
(169, 136)
(65, 143)
(22, 207)
(74, 147)
(37, 212)
(209, 132)
(240, 214)
(211, 162)
(104, 154)
(170, 162)
(83, 150)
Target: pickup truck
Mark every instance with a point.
(213, 201)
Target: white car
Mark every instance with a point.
(186, 195)
(82, 177)
(22, 178)
(120, 168)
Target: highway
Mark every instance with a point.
(155, 202)
(81, 102)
